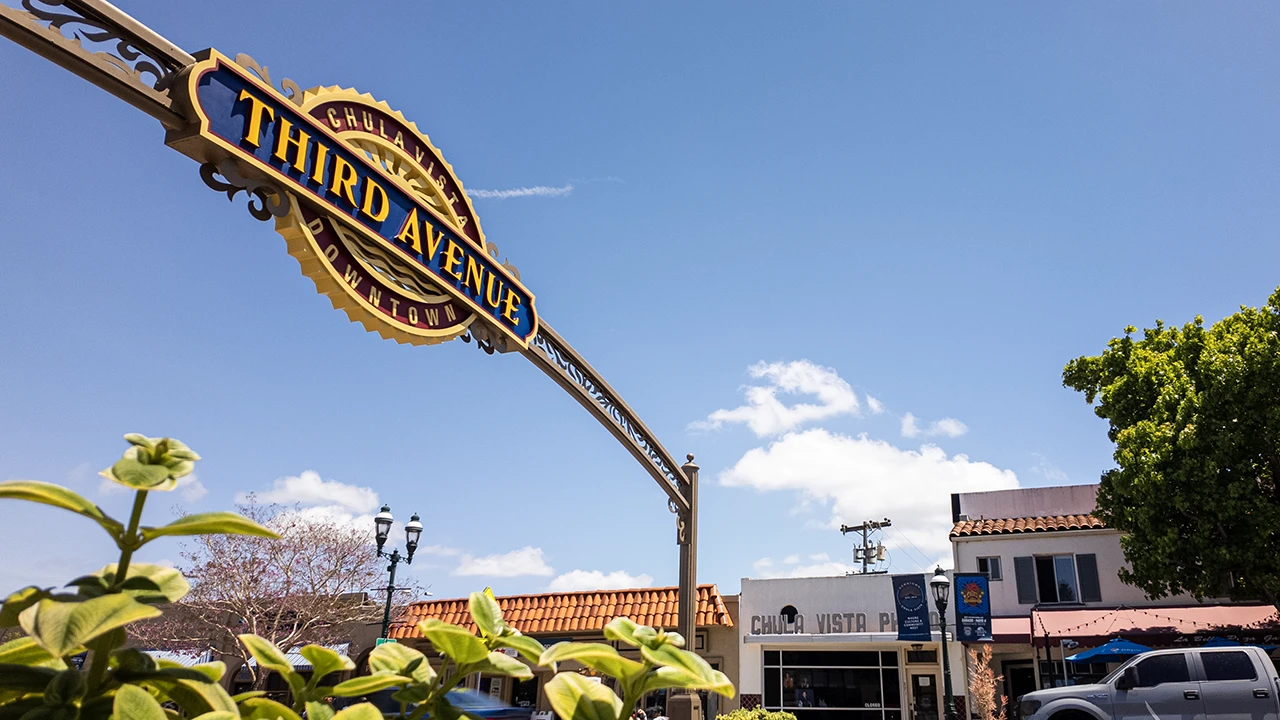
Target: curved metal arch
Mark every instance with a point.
(557, 358)
(107, 47)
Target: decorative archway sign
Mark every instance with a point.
(368, 206)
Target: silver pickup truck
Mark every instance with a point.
(1233, 683)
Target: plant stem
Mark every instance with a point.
(130, 541)
(631, 694)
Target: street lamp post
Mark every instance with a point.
(941, 586)
(412, 531)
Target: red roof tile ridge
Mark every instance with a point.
(564, 594)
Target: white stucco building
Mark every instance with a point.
(827, 648)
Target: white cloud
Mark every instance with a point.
(859, 478)
(1048, 470)
(439, 550)
(820, 558)
(766, 415)
(191, 488)
(950, 427)
(874, 405)
(791, 559)
(310, 490)
(527, 560)
(597, 580)
(535, 191)
(824, 568)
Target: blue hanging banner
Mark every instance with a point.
(973, 607)
(913, 607)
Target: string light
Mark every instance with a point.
(1269, 623)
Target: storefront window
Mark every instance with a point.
(826, 685)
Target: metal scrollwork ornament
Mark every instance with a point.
(288, 88)
(271, 200)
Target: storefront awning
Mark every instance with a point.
(1011, 631)
(1160, 625)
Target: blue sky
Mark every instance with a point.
(906, 219)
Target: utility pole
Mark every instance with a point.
(867, 553)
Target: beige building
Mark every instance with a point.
(1055, 588)
(581, 617)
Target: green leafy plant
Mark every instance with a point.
(756, 714)
(39, 682)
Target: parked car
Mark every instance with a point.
(1238, 683)
(469, 701)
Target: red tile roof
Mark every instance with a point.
(1003, 526)
(574, 612)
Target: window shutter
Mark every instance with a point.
(1087, 567)
(1025, 570)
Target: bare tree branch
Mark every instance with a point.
(310, 586)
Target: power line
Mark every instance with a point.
(918, 553)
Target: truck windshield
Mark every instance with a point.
(1116, 673)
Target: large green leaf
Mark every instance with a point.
(218, 715)
(62, 627)
(151, 584)
(26, 651)
(626, 630)
(261, 708)
(66, 687)
(137, 475)
(366, 684)
(25, 678)
(497, 663)
(58, 496)
(210, 523)
(212, 670)
(134, 703)
(16, 709)
(19, 601)
(413, 694)
(528, 648)
(598, 657)
(575, 697)
(267, 654)
(675, 657)
(361, 711)
(394, 657)
(324, 661)
(53, 712)
(98, 708)
(195, 697)
(674, 677)
(486, 613)
(453, 641)
(319, 711)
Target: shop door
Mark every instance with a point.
(1020, 679)
(524, 693)
(924, 697)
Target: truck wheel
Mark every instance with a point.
(1071, 715)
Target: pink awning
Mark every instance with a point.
(1013, 631)
(1082, 625)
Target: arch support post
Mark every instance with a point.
(687, 705)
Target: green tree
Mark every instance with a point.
(1194, 413)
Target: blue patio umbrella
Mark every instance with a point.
(1226, 642)
(1116, 650)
